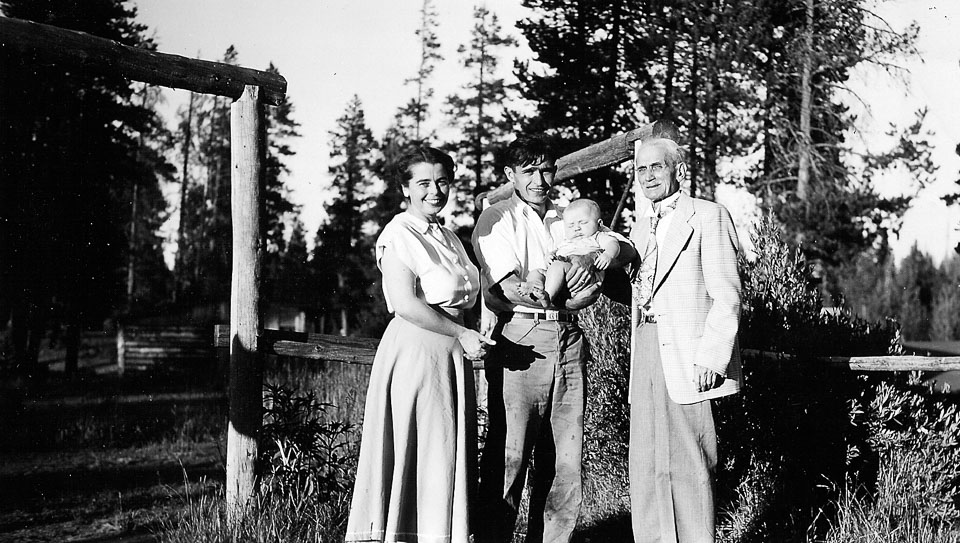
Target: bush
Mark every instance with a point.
(300, 447)
(305, 467)
(607, 421)
(807, 451)
(806, 442)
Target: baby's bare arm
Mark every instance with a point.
(610, 248)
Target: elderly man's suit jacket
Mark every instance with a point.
(696, 293)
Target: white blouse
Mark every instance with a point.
(445, 275)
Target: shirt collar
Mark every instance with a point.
(669, 200)
(421, 225)
(552, 211)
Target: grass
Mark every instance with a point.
(288, 516)
(114, 468)
(865, 521)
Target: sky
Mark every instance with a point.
(329, 50)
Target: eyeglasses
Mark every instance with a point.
(657, 168)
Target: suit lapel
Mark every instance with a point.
(680, 231)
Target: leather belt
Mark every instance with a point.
(558, 316)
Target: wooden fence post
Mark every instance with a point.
(247, 142)
(121, 352)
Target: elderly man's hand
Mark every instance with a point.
(706, 379)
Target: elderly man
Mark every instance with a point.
(687, 292)
(536, 371)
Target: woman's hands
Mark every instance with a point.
(475, 345)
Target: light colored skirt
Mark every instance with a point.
(418, 449)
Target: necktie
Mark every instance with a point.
(648, 264)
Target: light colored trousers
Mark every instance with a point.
(673, 455)
(537, 382)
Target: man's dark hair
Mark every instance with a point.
(526, 150)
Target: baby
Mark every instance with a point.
(586, 241)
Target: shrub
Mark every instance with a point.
(808, 451)
(300, 447)
(607, 421)
(305, 467)
(807, 442)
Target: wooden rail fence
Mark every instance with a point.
(141, 347)
(361, 351)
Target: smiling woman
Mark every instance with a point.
(428, 190)
(419, 423)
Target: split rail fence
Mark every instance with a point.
(355, 350)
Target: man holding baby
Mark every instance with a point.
(536, 372)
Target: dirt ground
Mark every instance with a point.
(89, 493)
(101, 459)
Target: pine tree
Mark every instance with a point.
(945, 320)
(954, 197)
(343, 256)
(731, 76)
(915, 286)
(593, 51)
(479, 111)
(412, 118)
(149, 282)
(75, 144)
(204, 248)
(278, 211)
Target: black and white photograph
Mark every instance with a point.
(497, 271)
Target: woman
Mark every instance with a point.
(419, 433)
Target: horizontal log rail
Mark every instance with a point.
(45, 44)
(868, 363)
(144, 346)
(351, 350)
(135, 399)
(354, 350)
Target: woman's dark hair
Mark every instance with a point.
(420, 155)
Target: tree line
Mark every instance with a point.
(756, 87)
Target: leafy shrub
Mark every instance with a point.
(305, 467)
(915, 439)
(807, 441)
(300, 447)
(809, 451)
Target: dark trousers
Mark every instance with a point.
(536, 387)
(673, 455)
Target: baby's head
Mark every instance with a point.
(581, 218)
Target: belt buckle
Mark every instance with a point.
(647, 316)
(553, 315)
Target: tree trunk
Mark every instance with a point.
(805, 151)
(342, 285)
(132, 246)
(478, 143)
(709, 178)
(613, 69)
(693, 158)
(673, 21)
(179, 276)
